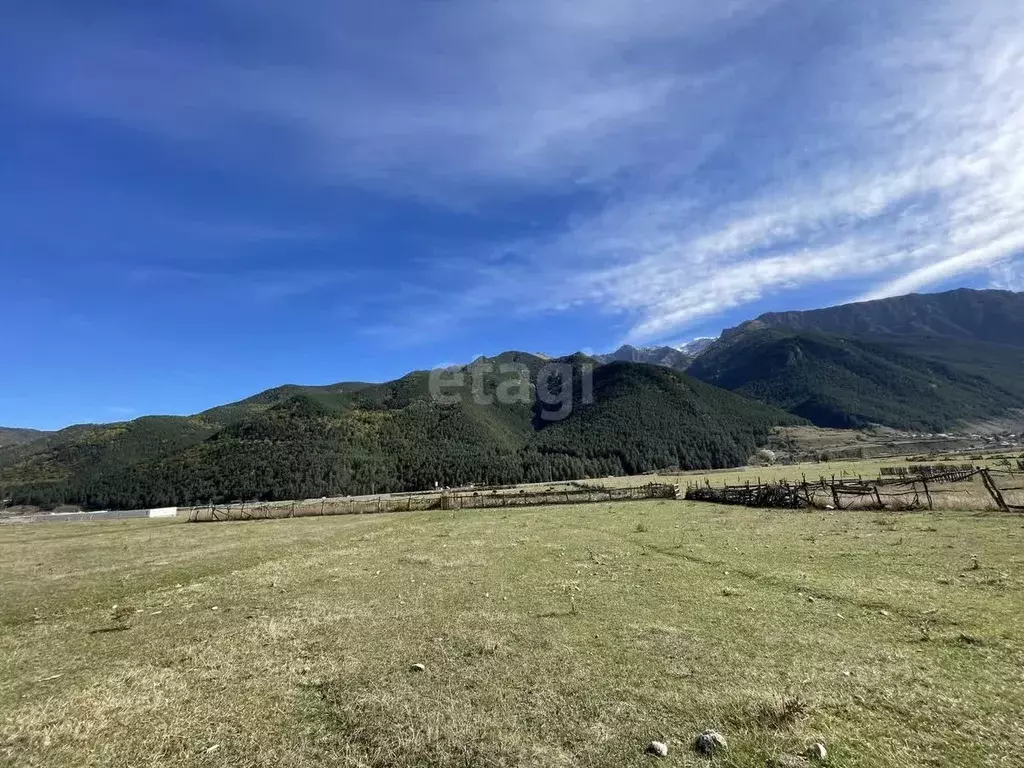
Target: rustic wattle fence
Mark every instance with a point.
(576, 493)
(919, 470)
(778, 495)
(945, 486)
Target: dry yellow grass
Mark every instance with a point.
(550, 636)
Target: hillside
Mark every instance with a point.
(1001, 364)
(338, 440)
(964, 315)
(849, 383)
(100, 449)
(14, 436)
(648, 417)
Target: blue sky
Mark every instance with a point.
(201, 200)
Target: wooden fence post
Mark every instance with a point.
(994, 491)
(927, 493)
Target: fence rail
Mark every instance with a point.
(891, 490)
(578, 493)
(925, 470)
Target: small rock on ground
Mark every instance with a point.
(817, 751)
(710, 742)
(418, 668)
(657, 749)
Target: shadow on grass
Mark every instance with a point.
(558, 615)
(104, 630)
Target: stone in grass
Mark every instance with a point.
(657, 749)
(417, 668)
(817, 752)
(710, 742)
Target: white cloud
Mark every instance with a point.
(922, 183)
(1008, 276)
(992, 254)
(725, 152)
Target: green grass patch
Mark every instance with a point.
(549, 636)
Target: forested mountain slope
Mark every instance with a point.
(929, 363)
(398, 437)
(847, 382)
(648, 417)
(14, 436)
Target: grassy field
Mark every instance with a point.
(566, 636)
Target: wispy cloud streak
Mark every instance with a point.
(918, 185)
(706, 155)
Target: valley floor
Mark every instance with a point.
(549, 636)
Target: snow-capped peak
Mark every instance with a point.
(694, 347)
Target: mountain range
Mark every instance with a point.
(679, 358)
(567, 419)
(995, 317)
(923, 362)
(930, 363)
(668, 357)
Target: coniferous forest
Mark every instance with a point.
(359, 439)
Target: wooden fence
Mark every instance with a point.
(778, 495)
(576, 493)
(953, 487)
(924, 470)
